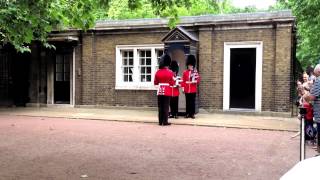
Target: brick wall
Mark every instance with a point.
(207, 87)
(98, 70)
(282, 69)
(275, 68)
(98, 66)
(264, 35)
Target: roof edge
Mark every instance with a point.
(196, 20)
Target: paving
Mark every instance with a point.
(33, 148)
(143, 115)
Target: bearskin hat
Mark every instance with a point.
(191, 60)
(165, 60)
(174, 66)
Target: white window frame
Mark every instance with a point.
(136, 84)
(258, 45)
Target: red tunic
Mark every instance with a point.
(175, 87)
(190, 80)
(164, 78)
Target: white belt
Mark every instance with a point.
(191, 82)
(163, 84)
(160, 90)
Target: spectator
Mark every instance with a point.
(315, 96)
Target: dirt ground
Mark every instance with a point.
(66, 149)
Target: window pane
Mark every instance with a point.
(148, 70)
(67, 67)
(131, 54)
(148, 61)
(148, 54)
(159, 53)
(59, 68)
(142, 62)
(59, 59)
(125, 70)
(149, 78)
(131, 70)
(125, 78)
(143, 70)
(125, 62)
(59, 76)
(67, 77)
(131, 61)
(130, 78)
(142, 53)
(143, 78)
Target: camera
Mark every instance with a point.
(302, 110)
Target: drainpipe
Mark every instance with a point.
(94, 58)
(274, 66)
(39, 74)
(79, 71)
(293, 67)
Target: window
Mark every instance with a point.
(136, 66)
(145, 65)
(127, 65)
(62, 70)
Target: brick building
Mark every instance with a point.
(246, 62)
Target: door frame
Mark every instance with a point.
(258, 45)
(51, 80)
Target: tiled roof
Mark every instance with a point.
(285, 15)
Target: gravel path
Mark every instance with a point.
(57, 148)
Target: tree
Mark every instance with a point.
(24, 21)
(307, 14)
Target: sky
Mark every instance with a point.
(260, 4)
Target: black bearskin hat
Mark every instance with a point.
(165, 60)
(191, 60)
(174, 66)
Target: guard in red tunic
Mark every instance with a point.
(190, 81)
(174, 100)
(164, 79)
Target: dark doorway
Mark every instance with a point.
(14, 77)
(62, 78)
(5, 79)
(20, 78)
(242, 77)
(179, 56)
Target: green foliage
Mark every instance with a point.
(23, 21)
(307, 13)
(172, 9)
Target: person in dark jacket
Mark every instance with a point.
(164, 79)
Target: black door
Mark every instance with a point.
(242, 77)
(62, 79)
(5, 79)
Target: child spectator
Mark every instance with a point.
(310, 131)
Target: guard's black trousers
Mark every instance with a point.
(174, 105)
(190, 103)
(163, 108)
